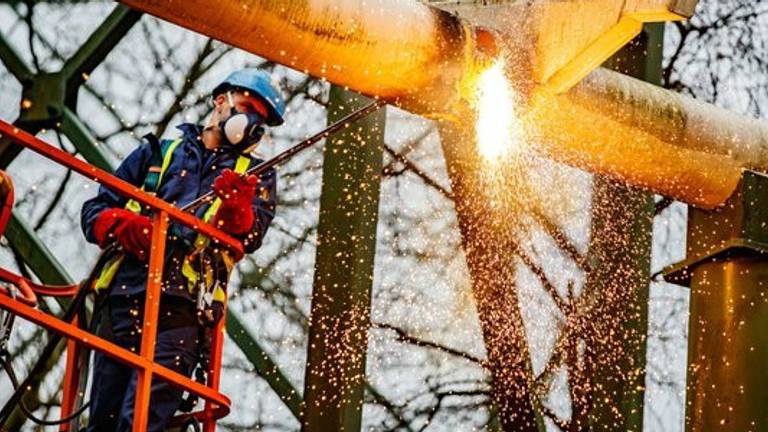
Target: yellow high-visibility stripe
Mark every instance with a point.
(110, 268)
(201, 242)
(133, 205)
(241, 166)
(108, 273)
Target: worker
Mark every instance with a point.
(207, 158)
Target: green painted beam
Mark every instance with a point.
(53, 96)
(264, 365)
(13, 61)
(84, 141)
(34, 252)
(334, 383)
(99, 44)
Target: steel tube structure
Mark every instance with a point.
(407, 52)
(726, 268)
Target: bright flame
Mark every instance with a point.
(499, 130)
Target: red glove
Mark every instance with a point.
(131, 230)
(235, 215)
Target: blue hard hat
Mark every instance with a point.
(259, 83)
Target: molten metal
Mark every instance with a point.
(498, 128)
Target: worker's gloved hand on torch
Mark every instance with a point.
(130, 230)
(235, 215)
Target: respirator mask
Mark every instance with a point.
(242, 131)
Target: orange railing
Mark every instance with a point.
(216, 404)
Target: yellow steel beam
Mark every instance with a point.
(608, 43)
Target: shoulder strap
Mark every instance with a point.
(162, 153)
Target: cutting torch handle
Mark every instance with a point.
(292, 151)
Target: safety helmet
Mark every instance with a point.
(259, 84)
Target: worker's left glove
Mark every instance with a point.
(235, 215)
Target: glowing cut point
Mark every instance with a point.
(499, 129)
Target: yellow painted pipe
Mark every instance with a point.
(650, 137)
(614, 125)
(399, 50)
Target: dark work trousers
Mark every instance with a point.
(114, 384)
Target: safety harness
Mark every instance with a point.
(206, 270)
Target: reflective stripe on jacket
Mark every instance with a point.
(189, 174)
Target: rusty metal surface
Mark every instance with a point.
(726, 269)
(684, 7)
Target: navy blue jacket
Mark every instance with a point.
(190, 174)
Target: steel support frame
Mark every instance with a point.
(51, 98)
(334, 383)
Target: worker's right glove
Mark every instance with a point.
(130, 230)
(235, 215)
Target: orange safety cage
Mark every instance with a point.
(216, 404)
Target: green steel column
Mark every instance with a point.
(727, 387)
(620, 254)
(346, 245)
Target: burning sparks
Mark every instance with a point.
(499, 130)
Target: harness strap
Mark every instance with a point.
(162, 154)
(208, 276)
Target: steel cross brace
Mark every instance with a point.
(49, 99)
